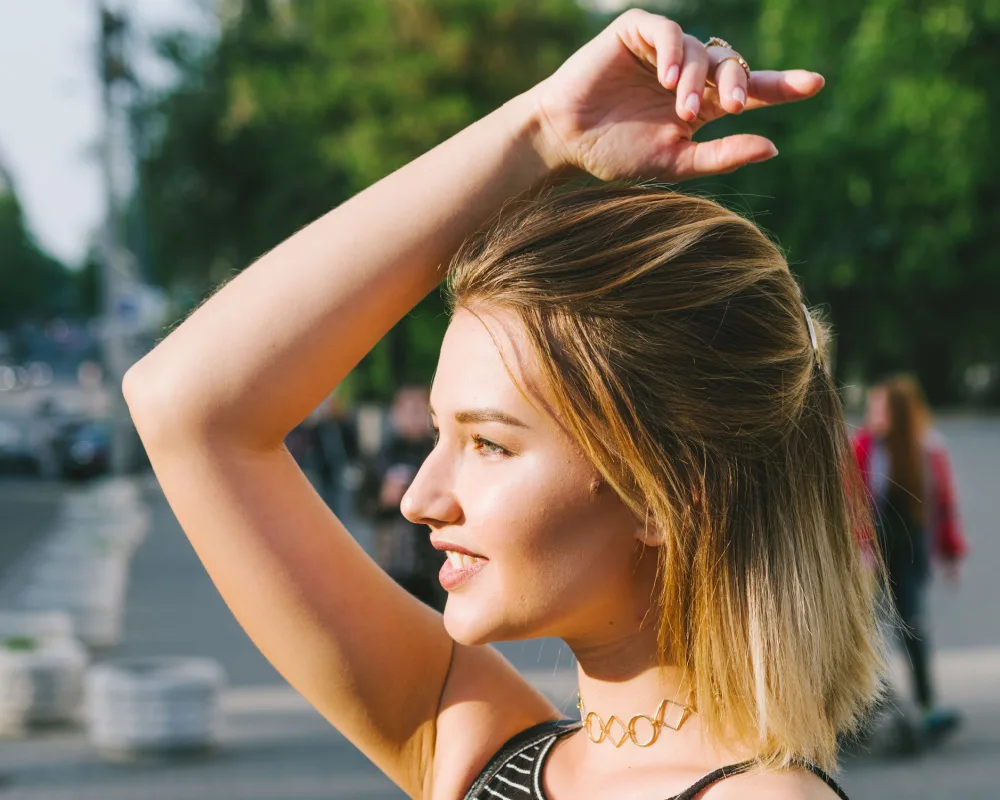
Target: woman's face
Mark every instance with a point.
(561, 551)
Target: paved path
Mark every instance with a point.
(27, 512)
(275, 747)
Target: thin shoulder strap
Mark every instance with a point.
(692, 792)
(713, 777)
(520, 741)
(819, 773)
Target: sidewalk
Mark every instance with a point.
(275, 747)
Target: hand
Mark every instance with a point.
(627, 104)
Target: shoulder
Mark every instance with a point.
(485, 703)
(790, 784)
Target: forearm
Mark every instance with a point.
(263, 351)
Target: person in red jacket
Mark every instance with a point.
(907, 473)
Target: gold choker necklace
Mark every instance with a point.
(656, 723)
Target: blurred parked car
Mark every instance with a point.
(82, 449)
(16, 452)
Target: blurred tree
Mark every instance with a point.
(885, 198)
(301, 104)
(887, 194)
(34, 284)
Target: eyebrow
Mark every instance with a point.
(485, 415)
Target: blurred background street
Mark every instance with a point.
(274, 746)
(150, 149)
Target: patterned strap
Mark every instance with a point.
(543, 730)
(521, 741)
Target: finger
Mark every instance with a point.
(730, 79)
(691, 84)
(698, 159)
(771, 88)
(668, 39)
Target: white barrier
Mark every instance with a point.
(42, 626)
(40, 681)
(83, 569)
(145, 706)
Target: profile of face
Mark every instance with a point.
(877, 411)
(563, 554)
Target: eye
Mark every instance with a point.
(487, 447)
(437, 435)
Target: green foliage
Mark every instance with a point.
(885, 196)
(291, 113)
(34, 285)
(19, 644)
(886, 193)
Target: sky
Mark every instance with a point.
(50, 107)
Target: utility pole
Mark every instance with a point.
(113, 71)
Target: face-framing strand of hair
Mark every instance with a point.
(672, 340)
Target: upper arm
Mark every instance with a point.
(371, 658)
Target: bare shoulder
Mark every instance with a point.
(790, 784)
(485, 702)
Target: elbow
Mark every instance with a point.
(138, 389)
(154, 405)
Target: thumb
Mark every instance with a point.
(698, 159)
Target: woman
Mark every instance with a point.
(639, 452)
(907, 474)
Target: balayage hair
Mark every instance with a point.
(673, 345)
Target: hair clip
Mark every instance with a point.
(812, 329)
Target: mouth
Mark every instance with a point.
(460, 567)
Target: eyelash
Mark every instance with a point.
(482, 444)
(486, 443)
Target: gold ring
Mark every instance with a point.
(715, 41)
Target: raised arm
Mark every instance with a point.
(214, 401)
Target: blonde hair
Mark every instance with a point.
(672, 337)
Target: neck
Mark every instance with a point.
(619, 675)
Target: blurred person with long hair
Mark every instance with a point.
(639, 450)
(907, 473)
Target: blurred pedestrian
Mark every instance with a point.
(402, 548)
(907, 472)
(328, 446)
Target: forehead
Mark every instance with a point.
(485, 361)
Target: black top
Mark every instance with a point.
(515, 772)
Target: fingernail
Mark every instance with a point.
(822, 80)
(740, 96)
(693, 103)
(766, 156)
(673, 74)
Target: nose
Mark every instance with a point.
(429, 500)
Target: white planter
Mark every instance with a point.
(92, 592)
(47, 627)
(16, 694)
(49, 680)
(153, 705)
(122, 528)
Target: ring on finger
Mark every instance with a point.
(715, 41)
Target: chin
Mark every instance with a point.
(472, 620)
(469, 622)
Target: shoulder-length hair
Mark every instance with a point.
(673, 339)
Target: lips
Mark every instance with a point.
(452, 576)
(461, 566)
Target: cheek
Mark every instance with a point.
(549, 536)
